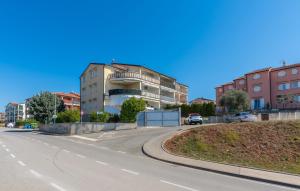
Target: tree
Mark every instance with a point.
(42, 106)
(235, 101)
(130, 108)
(69, 116)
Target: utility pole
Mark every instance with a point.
(14, 117)
(54, 109)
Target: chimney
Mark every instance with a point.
(283, 63)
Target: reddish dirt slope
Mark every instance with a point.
(267, 145)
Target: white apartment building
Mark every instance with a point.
(15, 112)
(107, 86)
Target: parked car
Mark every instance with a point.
(10, 125)
(193, 118)
(241, 117)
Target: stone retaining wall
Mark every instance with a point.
(84, 128)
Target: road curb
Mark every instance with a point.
(154, 149)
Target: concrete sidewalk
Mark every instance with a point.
(154, 148)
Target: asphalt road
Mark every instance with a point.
(105, 161)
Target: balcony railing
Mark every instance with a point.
(149, 94)
(124, 92)
(133, 75)
(165, 98)
(167, 84)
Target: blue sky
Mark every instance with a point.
(45, 45)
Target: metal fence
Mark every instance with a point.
(159, 118)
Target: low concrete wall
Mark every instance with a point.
(84, 128)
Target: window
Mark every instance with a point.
(83, 79)
(295, 84)
(220, 90)
(294, 71)
(256, 76)
(257, 103)
(230, 87)
(242, 82)
(296, 98)
(281, 74)
(257, 88)
(93, 73)
(284, 86)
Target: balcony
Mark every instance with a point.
(150, 95)
(124, 92)
(133, 76)
(167, 84)
(166, 98)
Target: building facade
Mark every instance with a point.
(201, 100)
(107, 86)
(71, 100)
(14, 112)
(268, 88)
(2, 117)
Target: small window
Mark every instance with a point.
(242, 82)
(256, 76)
(294, 71)
(83, 79)
(281, 74)
(295, 84)
(284, 86)
(296, 98)
(257, 88)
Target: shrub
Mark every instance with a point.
(115, 118)
(130, 108)
(30, 121)
(68, 116)
(20, 123)
(101, 117)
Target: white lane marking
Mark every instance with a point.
(83, 138)
(3, 146)
(7, 150)
(12, 155)
(21, 163)
(178, 185)
(35, 173)
(57, 187)
(81, 156)
(100, 162)
(90, 144)
(67, 151)
(46, 144)
(121, 152)
(130, 171)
